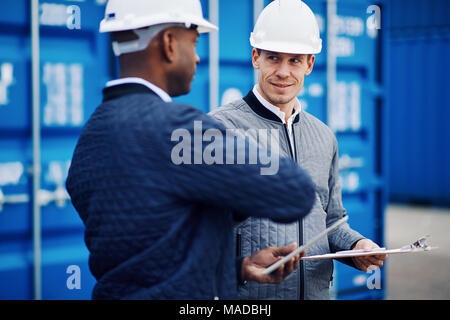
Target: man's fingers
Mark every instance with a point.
(289, 267)
(296, 264)
(361, 264)
(375, 261)
(283, 251)
(381, 256)
(277, 275)
(357, 264)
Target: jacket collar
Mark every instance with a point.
(160, 92)
(113, 92)
(262, 111)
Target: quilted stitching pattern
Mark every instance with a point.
(156, 230)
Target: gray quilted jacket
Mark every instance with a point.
(316, 151)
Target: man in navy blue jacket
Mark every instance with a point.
(158, 222)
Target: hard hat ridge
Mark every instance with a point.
(121, 15)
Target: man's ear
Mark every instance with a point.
(255, 58)
(168, 44)
(310, 65)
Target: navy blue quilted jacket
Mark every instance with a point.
(157, 230)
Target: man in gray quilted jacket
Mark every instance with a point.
(283, 59)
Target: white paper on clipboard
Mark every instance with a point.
(331, 228)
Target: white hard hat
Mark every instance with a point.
(287, 26)
(121, 15)
(154, 16)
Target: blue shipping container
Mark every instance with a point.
(419, 101)
(74, 67)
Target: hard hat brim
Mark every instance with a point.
(283, 47)
(204, 26)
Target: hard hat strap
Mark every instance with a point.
(145, 35)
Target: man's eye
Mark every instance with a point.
(273, 58)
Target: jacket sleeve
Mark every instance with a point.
(193, 174)
(343, 238)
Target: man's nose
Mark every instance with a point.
(197, 59)
(283, 70)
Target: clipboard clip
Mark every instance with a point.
(421, 243)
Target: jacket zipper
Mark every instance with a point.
(302, 273)
(293, 155)
(300, 221)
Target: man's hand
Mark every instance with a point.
(253, 266)
(363, 263)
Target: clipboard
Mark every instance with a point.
(331, 228)
(418, 246)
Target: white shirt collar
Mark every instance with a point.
(160, 92)
(274, 109)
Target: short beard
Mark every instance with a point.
(277, 99)
(281, 100)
